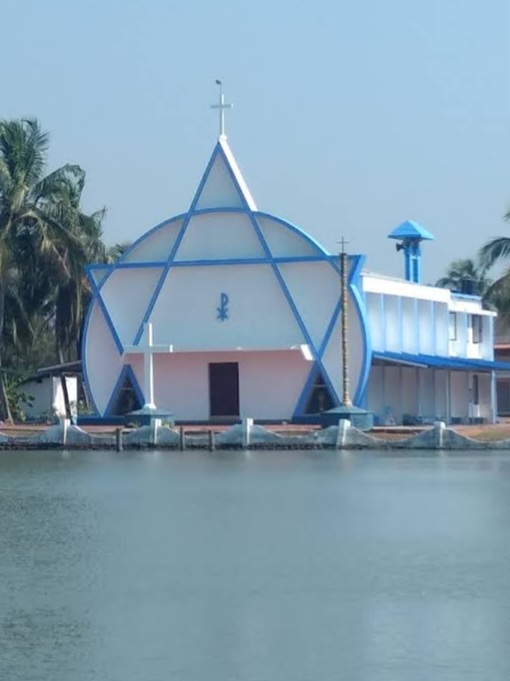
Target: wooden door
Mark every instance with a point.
(224, 389)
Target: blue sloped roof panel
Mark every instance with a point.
(411, 230)
(439, 362)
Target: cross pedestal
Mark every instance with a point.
(359, 418)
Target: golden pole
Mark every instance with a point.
(346, 399)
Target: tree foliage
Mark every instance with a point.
(46, 239)
(475, 273)
(465, 275)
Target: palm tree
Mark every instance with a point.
(493, 252)
(465, 275)
(36, 238)
(73, 293)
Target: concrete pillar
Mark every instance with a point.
(246, 426)
(341, 438)
(118, 439)
(155, 424)
(64, 425)
(439, 427)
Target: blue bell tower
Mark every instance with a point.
(410, 235)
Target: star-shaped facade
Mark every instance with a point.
(249, 303)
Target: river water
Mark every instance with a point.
(287, 566)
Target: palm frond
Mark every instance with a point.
(465, 271)
(59, 185)
(23, 146)
(495, 250)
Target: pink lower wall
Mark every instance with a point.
(270, 383)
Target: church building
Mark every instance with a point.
(226, 311)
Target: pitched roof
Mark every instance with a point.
(411, 230)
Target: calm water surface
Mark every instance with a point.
(263, 567)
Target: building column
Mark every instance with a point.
(417, 401)
(434, 388)
(448, 397)
(494, 398)
(383, 389)
(470, 397)
(400, 386)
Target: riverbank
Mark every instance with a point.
(246, 435)
(484, 433)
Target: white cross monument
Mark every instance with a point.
(222, 106)
(147, 348)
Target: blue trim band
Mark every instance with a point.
(425, 361)
(219, 209)
(212, 263)
(139, 265)
(246, 261)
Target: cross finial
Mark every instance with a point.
(222, 105)
(343, 243)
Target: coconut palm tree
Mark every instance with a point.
(73, 293)
(495, 251)
(466, 275)
(37, 244)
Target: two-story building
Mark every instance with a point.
(432, 354)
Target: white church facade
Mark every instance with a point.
(226, 311)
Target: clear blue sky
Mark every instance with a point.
(349, 117)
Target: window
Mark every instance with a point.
(453, 326)
(476, 328)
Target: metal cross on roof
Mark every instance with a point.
(343, 243)
(221, 106)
